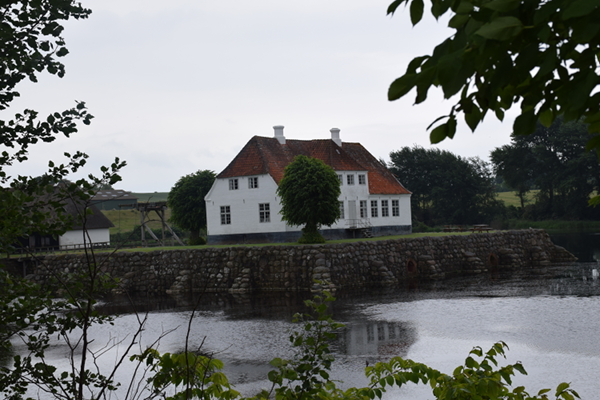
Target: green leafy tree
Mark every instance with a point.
(540, 54)
(554, 160)
(447, 189)
(186, 200)
(309, 193)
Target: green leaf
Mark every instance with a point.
(473, 118)
(524, 123)
(501, 28)
(401, 86)
(416, 11)
(580, 8)
(502, 5)
(546, 117)
(395, 4)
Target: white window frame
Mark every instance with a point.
(363, 208)
(233, 184)
(395, 208)
(264, 212)
(225, 215)
(362, 179)
(350, 179)
(253, 182)
(374, 209)
(385, 210)
(342, 210)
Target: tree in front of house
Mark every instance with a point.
(309, 193)
(555, 161)
(186, 201)
(447, 189)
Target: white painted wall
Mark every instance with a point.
(244, 204)
(75, 238)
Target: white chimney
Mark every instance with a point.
(279, 133)
(335, 136)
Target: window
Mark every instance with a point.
(395, 208)
(362, 179)
(350, 179)
(226, 215)
(264, 212)
(342, 210)
(363, 209)
(385, 211)
(253, 183)
(374, 212)
(341, 178)
(233, 184)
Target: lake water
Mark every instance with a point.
(549, 318)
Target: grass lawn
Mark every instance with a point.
(511, 198)
(126, 220)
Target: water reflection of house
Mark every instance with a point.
(376, 338)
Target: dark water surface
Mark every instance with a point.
(549, 318)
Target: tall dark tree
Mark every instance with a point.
(309, 193)
(554, 160)
(447, 189)
(186, 201)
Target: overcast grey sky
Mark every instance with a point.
(181, 85)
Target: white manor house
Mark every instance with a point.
(242, 206)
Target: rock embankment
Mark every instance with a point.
(384, 263)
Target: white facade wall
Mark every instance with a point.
(74, 239)
(244, 203)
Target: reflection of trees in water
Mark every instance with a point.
(381, 338)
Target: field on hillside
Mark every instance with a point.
(151, 197)
(511, 198)
(126, 220)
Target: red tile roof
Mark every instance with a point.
(263, 155)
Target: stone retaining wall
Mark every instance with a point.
(383, 263)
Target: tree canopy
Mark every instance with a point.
(540, 54)
(555, 161)
(447, 189)
(186, 201)
(309, 193)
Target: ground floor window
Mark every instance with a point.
(363, 209)
(395, 208)
(264, 212)
(385, 211)
(225, 215)
(374, 212)
(342, 210)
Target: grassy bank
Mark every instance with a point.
(553, 225)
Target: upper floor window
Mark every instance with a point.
(253, 183)
(362, 179)
(363, 209)
(226, 215)
(385, 211)
(341, 178)
(374, 212)
(342, 210)
(233, 184)
(395, 208)
(350, 179)
(264, 212)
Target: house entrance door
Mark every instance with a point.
(352, 211)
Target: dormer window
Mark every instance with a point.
(253, 183)
(233, 184)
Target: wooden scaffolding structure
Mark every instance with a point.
(159, 208)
